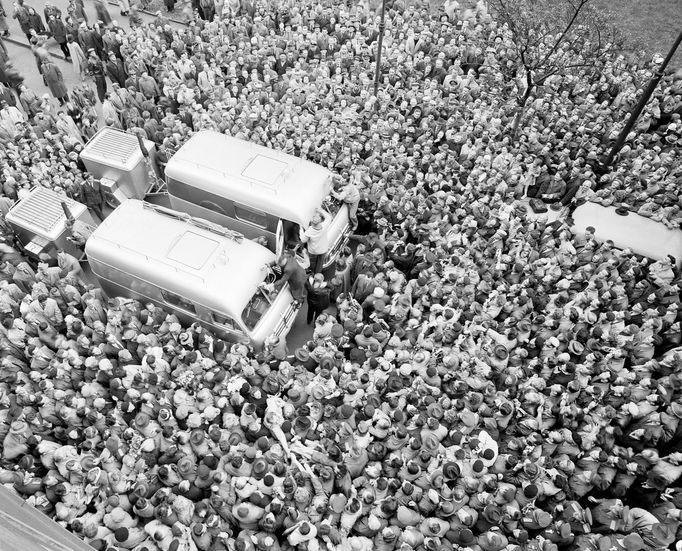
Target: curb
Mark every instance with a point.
(27, 45)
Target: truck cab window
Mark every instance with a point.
(204, 199)
(251, 216)
(225, 321)
(178, 301)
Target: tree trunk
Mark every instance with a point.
(521, 110)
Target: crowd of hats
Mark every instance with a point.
(39, 144)
(301, 80)
(486, 381)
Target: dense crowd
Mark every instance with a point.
(484, 380)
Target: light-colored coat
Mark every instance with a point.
(78, 59)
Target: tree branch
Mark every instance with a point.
(577, 11)
(540, 81)
(598, 30)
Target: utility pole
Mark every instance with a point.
(380, 43)
(637, 111)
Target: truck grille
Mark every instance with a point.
(289, 313)
(340, 243)
(41, 210)
(114, 145)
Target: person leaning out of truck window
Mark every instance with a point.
(316, 237)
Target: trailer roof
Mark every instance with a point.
(258, 177)
(162, 247)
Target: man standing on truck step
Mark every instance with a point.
(93, 196)
(316, 237)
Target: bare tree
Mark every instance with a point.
(553, 37)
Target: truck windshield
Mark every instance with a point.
(258, 305)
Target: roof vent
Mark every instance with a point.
(264, 169)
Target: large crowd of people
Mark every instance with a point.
(484, 380)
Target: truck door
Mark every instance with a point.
(279, 239)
